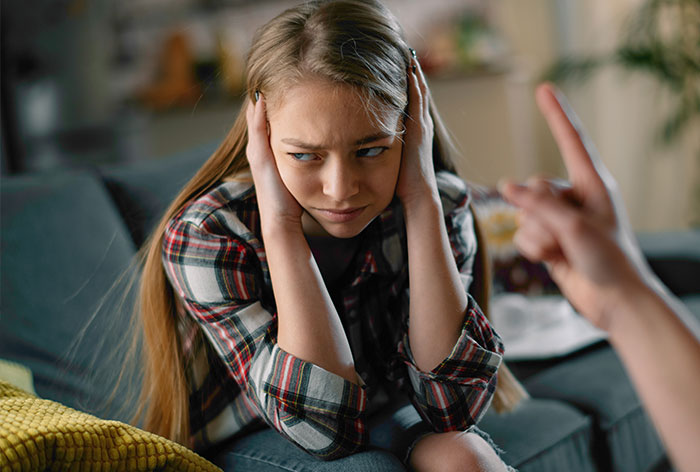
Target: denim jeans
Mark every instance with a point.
(268, 451)
(392, 436)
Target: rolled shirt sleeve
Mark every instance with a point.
(455, 394)
(218, 277)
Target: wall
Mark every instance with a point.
(493, 116)
(622, 111)
(619, 110)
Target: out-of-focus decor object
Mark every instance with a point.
(57, 105)
(176, 83)
(541, 327)
(465, 44)
(478, 44)
(232, 66)
(512, 272)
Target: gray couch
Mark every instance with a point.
(67, 236)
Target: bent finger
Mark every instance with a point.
(533, 233)
(556, 213)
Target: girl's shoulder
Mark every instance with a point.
(230, 206)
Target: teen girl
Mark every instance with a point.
(317, 268)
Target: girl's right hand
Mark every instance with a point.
(278, 208)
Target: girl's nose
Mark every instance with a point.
(340, 181)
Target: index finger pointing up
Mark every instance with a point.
(584, 169)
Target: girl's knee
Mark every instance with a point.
(454, 451)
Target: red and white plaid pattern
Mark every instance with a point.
(214, 257)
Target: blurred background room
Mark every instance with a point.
(100, 82)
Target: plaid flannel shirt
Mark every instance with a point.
(214, 257)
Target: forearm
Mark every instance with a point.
(663, 359)
(438, 301)
(308, 324)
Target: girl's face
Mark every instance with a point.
(338, 164)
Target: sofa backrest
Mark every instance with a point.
(63, 246)
(675, 257)
(144, 190)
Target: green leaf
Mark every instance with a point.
(573, 69)
(679, 119)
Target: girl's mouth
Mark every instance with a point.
(340, 215)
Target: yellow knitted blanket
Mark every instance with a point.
(37, 435)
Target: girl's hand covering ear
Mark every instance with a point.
(417, 176)
(580, 232)
(277, 206)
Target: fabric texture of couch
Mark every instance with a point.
(68, 236)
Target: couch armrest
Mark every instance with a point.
(675, 258)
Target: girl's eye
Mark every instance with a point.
(302, 156)
(371, 152)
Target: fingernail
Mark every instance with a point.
(413, 68)
(507, 186)
(257, 95)
(413, 53)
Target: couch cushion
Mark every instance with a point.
(596, 383)
(692, 302)
(542, 435)
(38, 434)
(143, 191)
(675, 257)
(63, 247)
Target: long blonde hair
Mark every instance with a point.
(352, 42)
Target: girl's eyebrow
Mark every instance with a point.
(359, 142)
(373, 137)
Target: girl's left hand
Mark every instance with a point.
(417, 175)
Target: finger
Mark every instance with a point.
(415, 97)
(252, 135)
(583, 167)
(260, 118)
(540, 242)
(533, 196)
(540, 183)
(528, 244)
(256, 117)
(558, 216)
(249, 113)
(422, 85)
